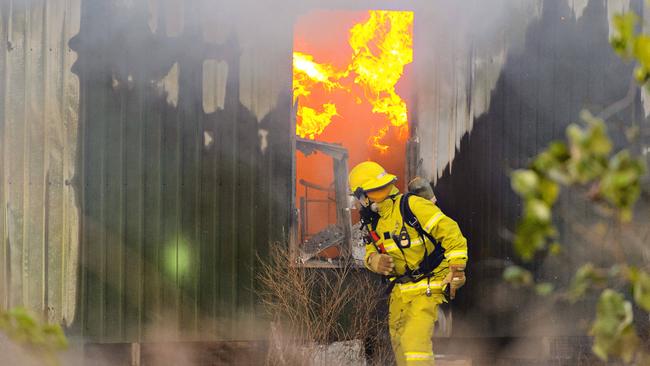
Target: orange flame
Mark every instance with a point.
(381, 48)
(313, 123)
(387, 33)
(374, 140)
(307, 73)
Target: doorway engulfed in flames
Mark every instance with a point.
(350, 87)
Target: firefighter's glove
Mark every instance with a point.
(381, 263)
(455, 279)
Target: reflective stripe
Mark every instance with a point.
(393, 246)
(413, 356)
(416, 242)
(436, 286)
(433, 221)
(390, 247)
(456, 254)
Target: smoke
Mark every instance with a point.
(462, 50)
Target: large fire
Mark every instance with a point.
(380, 49)
(351, 76)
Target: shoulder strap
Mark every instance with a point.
(411, 220)
(429, 261)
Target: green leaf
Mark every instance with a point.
(524, 182)
(641, 74)
(538, 210)
(589, 148)
(532, 235)
(621, 183)
(42, 339)
(555, 248)
(642, 51)
(517, 276)
(586, 277)
(597, 140)
(641, 290)
(623, 38)
(544, 289)
(551, 163)
(613, 330)
(548, 191)
(575, 134)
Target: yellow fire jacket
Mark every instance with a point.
(434, 221)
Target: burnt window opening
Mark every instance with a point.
(351, 90)
(324, 225)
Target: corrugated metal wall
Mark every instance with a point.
(39, 97)
(177, 200)
(566, 64)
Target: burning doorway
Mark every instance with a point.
(351, 93)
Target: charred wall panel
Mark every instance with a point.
(566, 64)
(178, 201)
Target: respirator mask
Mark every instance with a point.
(363, 199)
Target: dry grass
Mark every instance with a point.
(312, 308)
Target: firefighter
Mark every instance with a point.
(423, 253)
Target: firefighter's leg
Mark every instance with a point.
(416, 329)
(396, 325)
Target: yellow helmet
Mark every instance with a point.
(368, 176)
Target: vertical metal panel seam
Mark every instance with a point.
(25, 182)
(80, 176)
(64, 160)
(141, 239)
(3, 199)
(44, 51)
(217, 213)
(6, 161)
(178, 211)
(436, 119)
(161, 211)
(197, 203)
(102, 218)
(233, 190)
(122, 189)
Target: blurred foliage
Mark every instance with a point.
(544, 288)
(586, 161)
(42, 340)
(613, 330)
(632, 45)
(518, 276)
(586, 277)
(641, 288)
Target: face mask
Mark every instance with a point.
(363, 199)
(360, 195)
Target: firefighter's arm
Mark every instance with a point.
(442, 228)
(446, 231)
(370, 251)
(377, 262)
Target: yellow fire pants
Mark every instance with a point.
(411, 321)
